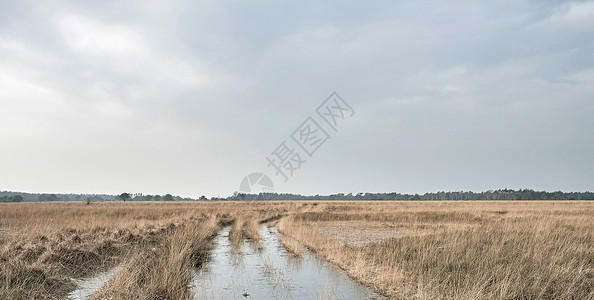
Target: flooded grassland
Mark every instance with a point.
(297, 250)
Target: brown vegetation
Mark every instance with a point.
(163, 272)
(462, 250)
(405, 250)
(252, 226)
(291, 245)
(46, 247)
(236, 233)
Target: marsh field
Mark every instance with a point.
(366, 250)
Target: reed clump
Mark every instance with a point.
(236, 234)
(163, 271)
(252, 227)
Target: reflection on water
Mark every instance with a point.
(88, 287)
(271, 273)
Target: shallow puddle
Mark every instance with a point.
(271, 273)
(86, 288)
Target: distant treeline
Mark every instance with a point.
(14, 198)
(501, 194)
(32, 197)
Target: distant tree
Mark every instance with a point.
(124, 196)
(168, 197)
(202, 198)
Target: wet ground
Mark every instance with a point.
(88, 287)
(271, 273)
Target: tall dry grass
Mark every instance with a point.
(236, 234)
(252, 228)
(245, 227)
(464, 250)
(439, 250)
(291, 245)
(164, 271)
(45, 247)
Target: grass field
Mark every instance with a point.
(404, 250)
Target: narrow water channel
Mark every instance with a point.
(271, 273)
(86, 288)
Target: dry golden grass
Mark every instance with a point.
(252, 227)
(463, 250)
(236, 234)
(291, 245)
(405, 250)
(164, 271)
(44, 247)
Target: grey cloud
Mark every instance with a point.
(187, 98)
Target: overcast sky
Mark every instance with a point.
(189, 97)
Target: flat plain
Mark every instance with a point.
(402, 250)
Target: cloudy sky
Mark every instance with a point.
(188, 97)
